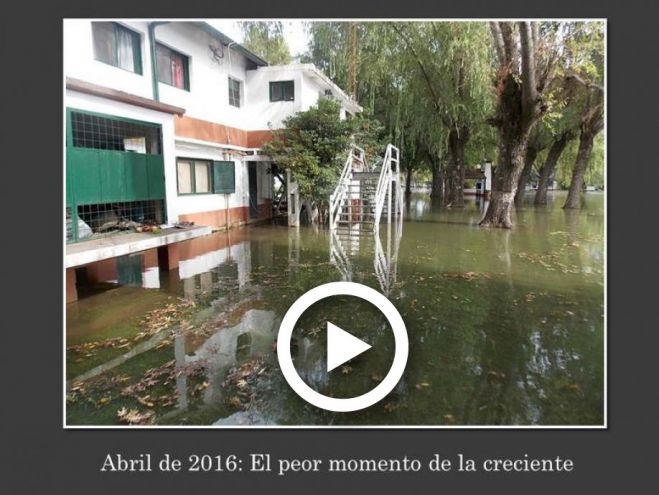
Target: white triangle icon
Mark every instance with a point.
(342, 347)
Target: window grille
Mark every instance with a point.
(95, 131)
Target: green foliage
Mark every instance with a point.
(266, 39)
(458, 58)
(394, 91)
(313, 146)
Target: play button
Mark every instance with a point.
(342, 347)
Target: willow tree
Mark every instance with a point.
(558, 144)
(368, 57)
(559, 127)
(266, 39)
(588, 75)
(452, 60)
(526, 55)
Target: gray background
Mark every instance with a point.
(39, 456)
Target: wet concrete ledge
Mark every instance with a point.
(85, 252)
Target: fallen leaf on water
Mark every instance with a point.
(135, 417)
(145, 401)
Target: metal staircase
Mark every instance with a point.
(362, 195)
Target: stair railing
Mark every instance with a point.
(388, 174)
(355, 155)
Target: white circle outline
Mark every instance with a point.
(340, 289)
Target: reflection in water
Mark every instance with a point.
(352, 241)
(505, 327)
(219, 352)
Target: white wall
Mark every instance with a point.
(268, 114)
(197, 203)
(79, 59)
(265, 114)
(208, 96)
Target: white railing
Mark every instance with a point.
(356, 156)
(338, 257)
(389, 174)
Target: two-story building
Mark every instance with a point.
(164, 124)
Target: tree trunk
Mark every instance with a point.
(437, 184)
(573, 200)
(529, 160)
(519, 106)
(408, 182)
(547, 169)
(506, 178)
(458, 139)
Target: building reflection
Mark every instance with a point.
(253, 337)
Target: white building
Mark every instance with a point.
(165, 121)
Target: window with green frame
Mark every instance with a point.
(117, 45)
(173, 67)
(282, 91)
(194, 176)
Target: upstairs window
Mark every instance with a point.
(117, 46)
(282, 91)
(235, 90)
(172, 67)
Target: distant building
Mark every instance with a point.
(483, 180)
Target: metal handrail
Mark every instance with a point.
(380, 191)
(389, 172)
(339, 194)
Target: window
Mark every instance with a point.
(117, 45)
(234, 92)
(282, 91)
(172, 67)
(194, 176)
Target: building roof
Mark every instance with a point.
(234, 45)
(315, 73)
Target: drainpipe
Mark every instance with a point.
(154, 60)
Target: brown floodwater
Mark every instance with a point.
(505, 327)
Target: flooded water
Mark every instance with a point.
(505, 327)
